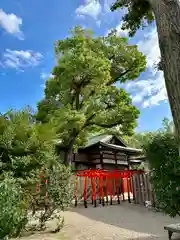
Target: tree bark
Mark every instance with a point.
(68, 157)
(167, 15)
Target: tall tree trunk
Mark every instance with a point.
(167, 15)
(68, 157)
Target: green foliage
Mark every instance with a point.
(139, 14)
(82, 88)
(142, 166)
(168, 126)
(138, 140)
(27, 150)
(60, 193)
(25, 147)
(163, 156)
(13, 208)
(46, 108)
(61, 186)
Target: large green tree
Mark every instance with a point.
(166, 13)
(82, 95)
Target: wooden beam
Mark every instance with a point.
(101, 158)
(128, 161)
(115, 159)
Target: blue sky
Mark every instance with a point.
(28, 30)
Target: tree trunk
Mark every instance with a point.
(68, 157)
(167, 15)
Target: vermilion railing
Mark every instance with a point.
(96, 184)
(105, 184)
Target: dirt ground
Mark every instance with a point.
(124, 221)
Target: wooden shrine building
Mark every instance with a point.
(106, 152)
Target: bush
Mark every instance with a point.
(13, 208)
(27, 149)
(164, 161)
(25, 146)
(57, 183)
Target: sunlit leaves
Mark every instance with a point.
(139, 14)
(163, 156)
(25, 146)
(81, 96)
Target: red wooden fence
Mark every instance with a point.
(104, 185)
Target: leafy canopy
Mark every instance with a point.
(25, 146)
(139, 14)
(82, 96)
(162, 153)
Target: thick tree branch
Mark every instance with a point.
(77, 87)
(88, 121)
(110, 125)
(112, 81)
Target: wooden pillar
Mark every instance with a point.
(74, 161)
(101, 157)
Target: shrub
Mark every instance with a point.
(164, 161)
(57, 183)
(26, 149)
(13, 208)
(25, 146)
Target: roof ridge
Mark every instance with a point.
(106, 138)
(100, 134)
(124, 148)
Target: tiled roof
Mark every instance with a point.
(101, 138)
(128, 149)
(98, 138)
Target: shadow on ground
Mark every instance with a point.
(118, 222)
(137, 219)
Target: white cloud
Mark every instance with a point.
(107, 5)
(11, 23)
(150, 91)
(45, 76)
(90, 8)
(21, 59)
(120, 32)
(123, 33)
(150, 47)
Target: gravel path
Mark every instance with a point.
(124, 221)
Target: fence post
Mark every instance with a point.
(107, 190)
(146, 187)
(76, 190)
(142, 189)
(117, 189)
(85, 192)
(133, 181)
(128, 189)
